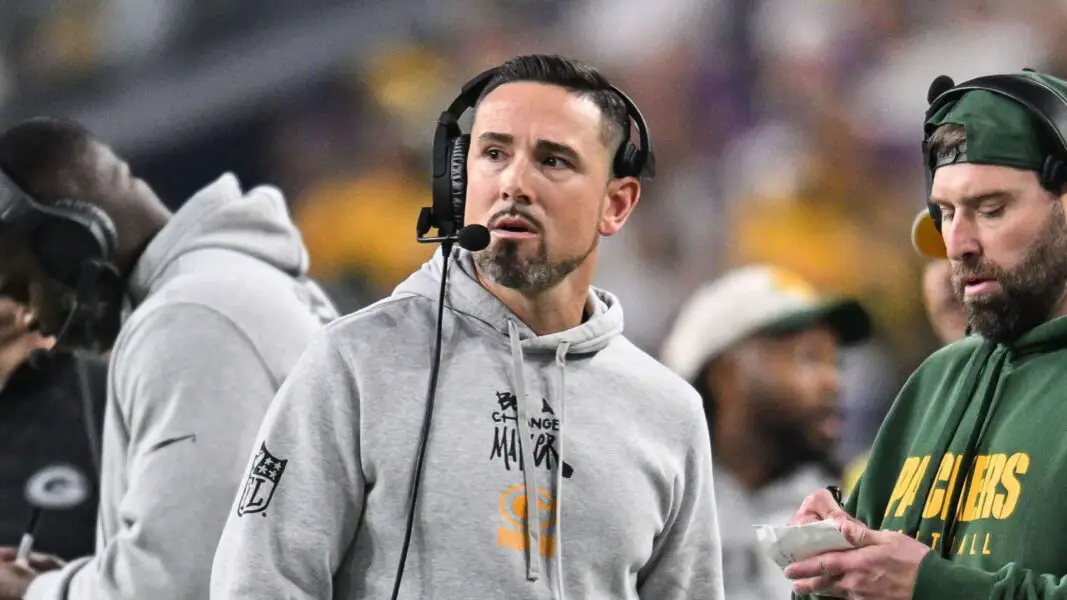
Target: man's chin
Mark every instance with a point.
(501, 246)
(994, 299)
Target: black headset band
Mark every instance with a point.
(469, 93)
(473, 89)
(19, 209)
(647, 159)
(16, 206)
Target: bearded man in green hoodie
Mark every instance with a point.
(962, 494)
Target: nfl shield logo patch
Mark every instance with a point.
(262, 480)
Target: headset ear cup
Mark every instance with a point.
(59, 246)
(1053, 175)
(458, 176)
(75, 232)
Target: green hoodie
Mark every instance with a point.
(1003, 410)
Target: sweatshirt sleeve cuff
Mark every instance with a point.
(53, 584)
(941, 579)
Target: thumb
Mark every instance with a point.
(44, 343)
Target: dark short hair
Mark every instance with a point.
(575, 76)
(46, 157)
(947, 136)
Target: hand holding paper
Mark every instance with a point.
(788, 544)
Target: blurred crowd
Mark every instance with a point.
(786, 132)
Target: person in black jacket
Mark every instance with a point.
(51, 412)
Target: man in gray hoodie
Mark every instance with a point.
(561, 460)
(218, 310)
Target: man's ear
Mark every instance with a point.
(622, 196)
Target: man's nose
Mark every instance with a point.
(830, 379)
(961, 238)
(514, 181)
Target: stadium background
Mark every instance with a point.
(785, 131)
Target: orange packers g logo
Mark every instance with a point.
(512, 534)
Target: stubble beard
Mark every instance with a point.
(504, 263)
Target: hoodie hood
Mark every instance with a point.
(1046, 337)
(466, 294)
(222, 217)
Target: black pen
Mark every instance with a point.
(22, 557)
(836, 493)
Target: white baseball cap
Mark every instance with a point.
(751, 300)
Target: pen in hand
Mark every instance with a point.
(836, 493)
(22, 557)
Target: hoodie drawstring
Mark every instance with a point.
(561, 394)
(533, 515)
(990, 401)
(532, 497)
(985, 371)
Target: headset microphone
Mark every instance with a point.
(471, 237)
(474, 237)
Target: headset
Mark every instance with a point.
(449, 175)
(75, 243)
(450, 147)
(1045, 104)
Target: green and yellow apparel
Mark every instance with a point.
(971, 459)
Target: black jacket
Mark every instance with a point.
(49, 441)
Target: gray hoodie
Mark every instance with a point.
(615, 449)
(221, 312)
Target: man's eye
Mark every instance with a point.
(555, 161)
(992, 214)
(494, 153)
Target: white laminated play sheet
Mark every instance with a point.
(789, 544)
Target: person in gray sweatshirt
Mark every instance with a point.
(561, 460)
(217, 311)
